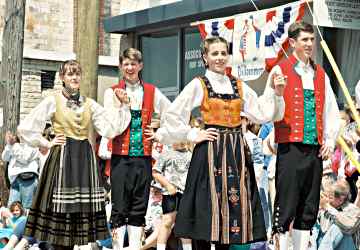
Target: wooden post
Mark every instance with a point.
(87, 47)
(87, 44)
(11, 68)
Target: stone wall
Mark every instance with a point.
(49, 26)
(31, 93)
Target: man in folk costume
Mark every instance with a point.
(131, 171)
(306, 136)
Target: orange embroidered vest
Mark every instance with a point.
(222, 109)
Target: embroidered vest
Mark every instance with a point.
(310, 131)
(291, 128)
(121, 143)
(222, 109)
(136, 144)
(72, 123)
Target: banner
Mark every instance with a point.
(223, 27)
(256, 37)
(337, 13)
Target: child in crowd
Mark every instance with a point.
(14, 221)
(171, 171)
(23, 169)
(2, 209)
(153, 218)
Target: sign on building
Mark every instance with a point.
(337, 13)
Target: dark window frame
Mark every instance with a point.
(47, 79)
(181, 31)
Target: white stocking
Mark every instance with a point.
(135, 234)
(284, 241)
(301, 239)
(118, 238)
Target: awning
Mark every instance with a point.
(180, 13)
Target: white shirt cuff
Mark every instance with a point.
(193, 134)
(330, 143)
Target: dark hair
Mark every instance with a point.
(48, 132)
(72, 66)
(132, 54)
(19, 205)
(295, 29)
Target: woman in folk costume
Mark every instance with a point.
(69, 205)
(220, 203)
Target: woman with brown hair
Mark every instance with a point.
(220, 203)
(69, 206)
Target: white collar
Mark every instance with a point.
(215, 76)
(301, 64)
(305, 67)
(132, 86)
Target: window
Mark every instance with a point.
(171, 58)
(161, 60)
(193, 64)
(47, 79)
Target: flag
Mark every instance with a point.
(223, 27)
(276, 31)
(259, 37)
(255, 38)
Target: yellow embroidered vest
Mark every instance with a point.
(71, 123)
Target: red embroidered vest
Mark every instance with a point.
(121, 142)
(291, 128)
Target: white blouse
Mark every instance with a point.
(175, 124)
(107, 122)
(135, 92)
(331, 115)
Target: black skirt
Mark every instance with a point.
(69, 205)
(221, 201)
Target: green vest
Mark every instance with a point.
(136, 145)
(240, 247)
(310, 130)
